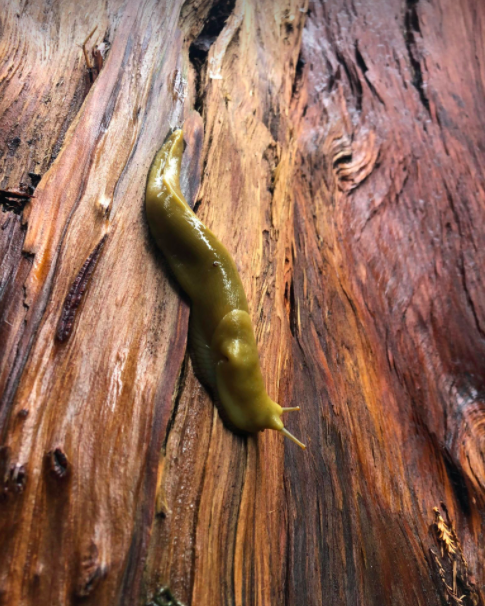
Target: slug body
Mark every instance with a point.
(221, 336)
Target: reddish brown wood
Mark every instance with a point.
(336, 148)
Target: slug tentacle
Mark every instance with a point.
(289, 435)
(221, 336)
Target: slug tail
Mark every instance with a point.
(286, 433)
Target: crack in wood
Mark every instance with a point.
(76, 293)
(177, 395)
(199, 49)
(411, 28)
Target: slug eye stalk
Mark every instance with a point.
(286, 433)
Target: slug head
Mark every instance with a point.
(239, 380)
(164, 171)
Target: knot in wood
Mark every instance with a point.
(352, 157)
(57, 464)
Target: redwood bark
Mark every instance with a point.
(336, 148)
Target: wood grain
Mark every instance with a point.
(336, 149)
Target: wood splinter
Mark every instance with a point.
(98, 53)
(86, 55)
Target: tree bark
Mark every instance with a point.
(336, 148)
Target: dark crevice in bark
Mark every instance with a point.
(342, 160)
(300, 65)
(292, 309)
(360, 60)
(57, 464)
(353, 79)
(362, 65)
(199, 49)
(179, 389)
(35, 180)
(289, 294)
(13, 201)
(95, 60)
(197, 205)
(411, 28)
(458, 482)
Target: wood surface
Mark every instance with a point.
(337, 149)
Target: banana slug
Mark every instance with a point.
(221, 336)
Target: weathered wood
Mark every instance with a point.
(336, 148)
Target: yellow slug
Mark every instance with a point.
(221, 336)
